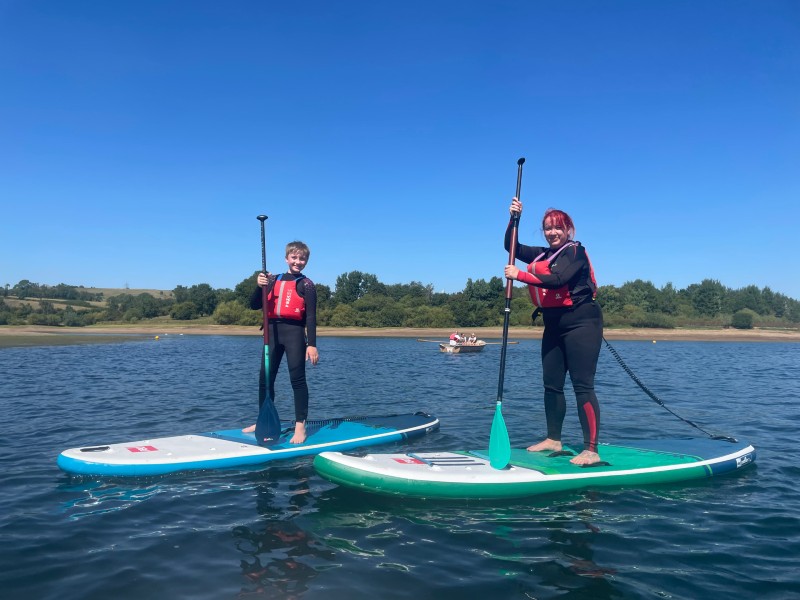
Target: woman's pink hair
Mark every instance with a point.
(561, 220)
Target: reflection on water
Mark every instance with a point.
(280, 558)
(96, 497)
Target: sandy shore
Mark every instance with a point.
(28, 335)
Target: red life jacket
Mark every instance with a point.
(554, 297)
(284, 302)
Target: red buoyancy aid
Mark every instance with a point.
(554, 297)
(284, 302)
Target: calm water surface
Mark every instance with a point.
(283, 532)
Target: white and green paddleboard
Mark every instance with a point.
(468, 474)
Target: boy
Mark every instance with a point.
(292, 312)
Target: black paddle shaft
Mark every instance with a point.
(263, 218)
(512, 254)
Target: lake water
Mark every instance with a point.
(283, 532)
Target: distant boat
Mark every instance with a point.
(461, 348)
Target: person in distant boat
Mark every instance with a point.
(562, 286)
(292, 312)
(473, 339)
(454, 338)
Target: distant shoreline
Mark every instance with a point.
(31, 335)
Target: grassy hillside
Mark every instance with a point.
(108, 292)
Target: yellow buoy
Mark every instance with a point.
(156, 337)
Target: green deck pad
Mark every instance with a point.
(620, 458)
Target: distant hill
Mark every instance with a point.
(109, 292)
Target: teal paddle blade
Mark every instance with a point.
(268, 425)
(499, 444)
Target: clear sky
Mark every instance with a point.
(140, 139)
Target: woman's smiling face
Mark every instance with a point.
(554, 233)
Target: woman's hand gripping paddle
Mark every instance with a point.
(499, 444)
(268, 425)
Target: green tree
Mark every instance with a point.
(324, 296)
(610, 299)
(184, 311)
(180, 294)
(47, 308)
(707, 297)
(429, 316)
(641, 294)
(470, 313)
(228, 313)
(344, 315)
(521, 311)
(667, 300)
(747, 297)
(204, 298)
(147, 306)
(410, 295)
(484, 291)
(353, 285)
(245, 288)
(71, 318)
(25, 289)
(743, 319)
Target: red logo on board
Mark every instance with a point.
(143, 449)
(408, 461)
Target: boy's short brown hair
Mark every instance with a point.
(299, 247)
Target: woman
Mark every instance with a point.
(562, 286)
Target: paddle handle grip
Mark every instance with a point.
(512, 251)
(263, 218)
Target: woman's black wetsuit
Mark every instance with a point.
(572, 337)
(288, 336)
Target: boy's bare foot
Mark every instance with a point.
(547, 444)
(299, 433)
(586, 458)
(250, 429)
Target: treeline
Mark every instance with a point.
(361, 300)
(62, 291)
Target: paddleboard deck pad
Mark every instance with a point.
(468, 474)
(232, 448)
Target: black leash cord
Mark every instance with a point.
(657, 400)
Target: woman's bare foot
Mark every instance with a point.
(586, 457)
(250, 429)
(547, 444)
(299, 433)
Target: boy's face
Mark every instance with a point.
(296, 261)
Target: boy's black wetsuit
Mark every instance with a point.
(288, 336)
(571, 340)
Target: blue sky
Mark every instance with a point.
(139, 140)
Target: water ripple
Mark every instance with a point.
(283, 532)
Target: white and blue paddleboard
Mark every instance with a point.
(469, 474)
(232, 448)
